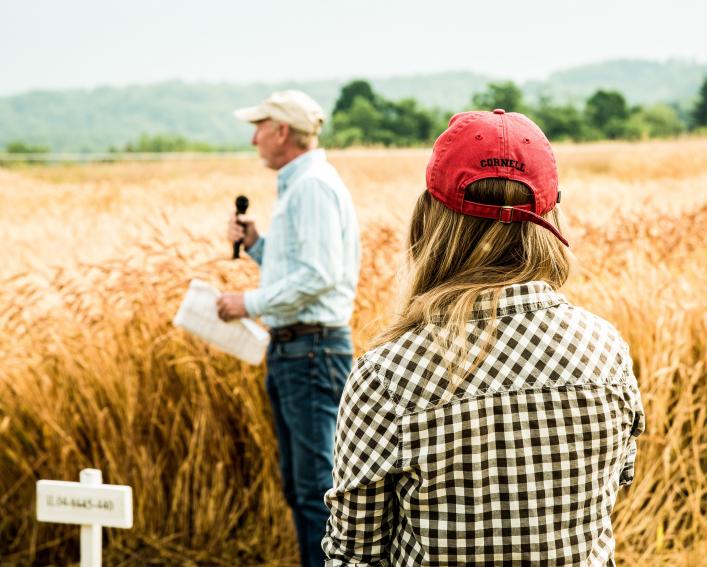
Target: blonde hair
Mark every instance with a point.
(453, 258)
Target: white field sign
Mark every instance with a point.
(90, 504)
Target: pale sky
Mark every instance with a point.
(56, 44)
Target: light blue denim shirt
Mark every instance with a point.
(310, 258)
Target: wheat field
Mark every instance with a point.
(93, 374)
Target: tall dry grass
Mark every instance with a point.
(93, 373)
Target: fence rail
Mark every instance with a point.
(94, 157)
(117, 156)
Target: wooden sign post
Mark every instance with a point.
(89, 503)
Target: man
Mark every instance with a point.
(309, 269)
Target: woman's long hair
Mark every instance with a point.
(453, 258)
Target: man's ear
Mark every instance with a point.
(283, 132)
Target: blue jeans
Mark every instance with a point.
(305, 379)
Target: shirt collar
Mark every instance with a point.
(518, 298)
(515, 298)
(289, 172)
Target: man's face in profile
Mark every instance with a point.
(269, 138)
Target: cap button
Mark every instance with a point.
(499, 111)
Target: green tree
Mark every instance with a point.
(343, 137)
(351, 91)
(607, 111)
(657, 121)
(699, 113)
(440, 120)
(19, 147)
(157, 143)
(408, 123)
(559, 122)
(369, 118)
(360, 124)
(506, 95)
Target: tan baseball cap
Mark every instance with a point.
(295, 108)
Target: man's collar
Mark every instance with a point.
(288, 172)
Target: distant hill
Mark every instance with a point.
(641, 82)
(93, 120)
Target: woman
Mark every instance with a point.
(494, 421)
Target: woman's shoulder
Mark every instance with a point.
(407, 365)
(404, 348)
(591, 324)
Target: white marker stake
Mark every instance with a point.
(89, 503)
(91, 534)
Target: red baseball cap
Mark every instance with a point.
(479, 145)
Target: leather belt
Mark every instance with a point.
(291, 332)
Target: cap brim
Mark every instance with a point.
(250, 114)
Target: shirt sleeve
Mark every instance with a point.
(256, 251)
(317, 260)
(638, 425)
(362, 501)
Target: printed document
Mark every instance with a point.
(242, 338)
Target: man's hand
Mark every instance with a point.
(242, 229)
(231, 306)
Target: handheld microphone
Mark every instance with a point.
(241, 207)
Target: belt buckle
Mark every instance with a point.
(285, 335)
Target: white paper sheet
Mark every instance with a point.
(242, 338)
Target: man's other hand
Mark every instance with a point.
(242, 229)
(231, 305)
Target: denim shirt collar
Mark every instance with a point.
(289, 172)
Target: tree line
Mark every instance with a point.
(363, 117)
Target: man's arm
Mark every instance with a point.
(316, 218)
(256, 250)
(362, 500)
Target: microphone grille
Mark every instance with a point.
(242, 203)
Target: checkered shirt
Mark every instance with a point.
(521, 465)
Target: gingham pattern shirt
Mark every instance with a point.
(519, 466)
